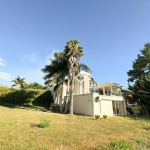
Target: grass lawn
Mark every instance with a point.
(19, 131)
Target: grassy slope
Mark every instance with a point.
(19, 130)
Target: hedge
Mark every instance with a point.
(25, 97)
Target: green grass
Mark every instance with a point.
(19, 130)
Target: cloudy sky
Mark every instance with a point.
(111, 32)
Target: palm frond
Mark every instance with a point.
(83, 67)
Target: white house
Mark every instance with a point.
(107, 100)
(104, 99)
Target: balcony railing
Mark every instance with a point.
(94, 90)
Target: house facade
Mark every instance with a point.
(89, 99)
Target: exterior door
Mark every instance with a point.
(106, 107)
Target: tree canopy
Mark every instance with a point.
(140, 77)
(18, 82)
(65, 64)
(141, 66)
(57, 70)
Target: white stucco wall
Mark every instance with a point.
(106, 107)
(83, 104)
(103, 107)
(86, 104)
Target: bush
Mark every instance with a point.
(25, 97)
(122, 145)
(104, 116)
(97, 116)
(55, 107)
(136, 110)
(144, 111)
(44, 122)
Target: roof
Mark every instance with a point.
(108, 84)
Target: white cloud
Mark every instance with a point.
(5, 76)
(2, 62)
(51, 56)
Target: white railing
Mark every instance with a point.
(111, 97)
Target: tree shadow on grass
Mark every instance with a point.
(35, 125)
(139, 117)
(146, 128)
(36, 108)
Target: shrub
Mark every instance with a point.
(144, 111)
(44, 122)
(136, 110)
(97, 116)
(122, 145)
(55, 107)
(46, 98)
(104, 116)
(27, 97)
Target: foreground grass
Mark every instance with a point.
(19, 131)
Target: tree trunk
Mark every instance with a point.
(71, 94)
(62, 98)
(67, 97)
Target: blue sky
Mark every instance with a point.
(112, 32)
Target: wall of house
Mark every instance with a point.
(86, 104)
(103, 107)
(83, 104)
(108, 102)
(96, 104)
(106, 107)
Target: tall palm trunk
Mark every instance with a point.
(71, 94)
(67, 96)
(73, 64)
(62, 97)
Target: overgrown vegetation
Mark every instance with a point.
(19, 83)
(25, 97)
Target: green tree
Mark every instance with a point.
(24, 86)
(139, 76)
(74, 53)
(36, 86)
(93, 82)
(19, 82)
(58, 70)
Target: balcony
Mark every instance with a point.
(111, 97)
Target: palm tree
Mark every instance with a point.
(58, 70)
(24, 86)
(35, 86)
(74, 52)
(93, 82)
(18, 82)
